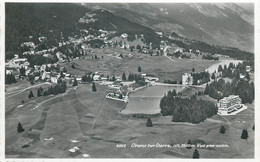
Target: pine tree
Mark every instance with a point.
(149, 123)
(22, 71)
(123, 77)
(75, 83)
(213, 76)
(222, 130)
(20, 128)
(39, 93)
(193, 69)
(120, 96)
(94, 89)
(56, 90)
(247, 76)
(73, 66)
(139, 69)
(253, 127)
(206, 92)
(45, 93)
(188, 144)
(30, 94)
(50, 90)
(196, 154)
(113, 78)
(244, 134)
(220, 68)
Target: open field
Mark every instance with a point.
(95, 123)
(214, 67)
(111, 64)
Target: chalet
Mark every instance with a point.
(54, 79)
(96, 77)
(79, 80)
(103, 78)
(67, 76)
(8, 71)
(151, 79)
(187, 79)
(37, 67)
(241, 76)
(118, 79)
(47, 55)
(248, 68)
(42, 39)
(43, 67)
(28, 44)
(159, 33)
(36, 78)
(46, 75)
(124, 35)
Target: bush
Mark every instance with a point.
(139, 69)
(9, 79)
(149, 123)
(244, 134)
(94, 89)
(222, 130)
(189, 144)
(30, 94)
(20, 128)
(196, 154)
(75, 83)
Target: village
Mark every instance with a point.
(99, 85)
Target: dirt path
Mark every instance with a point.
(63, 94)
(21, 91)
(99, 112)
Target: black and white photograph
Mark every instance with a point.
(129, 80)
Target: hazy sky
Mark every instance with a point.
(248, 6)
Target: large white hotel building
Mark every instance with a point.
(229, 104)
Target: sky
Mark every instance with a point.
(248, 6)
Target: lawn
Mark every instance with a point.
(159, 66)
(94, 121)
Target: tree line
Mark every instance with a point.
(57, 89)
(138, 78)
(9, 79)
(219, 89)
(186, 109)
(200, 78)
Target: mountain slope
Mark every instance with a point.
(39, 19)
(221, 23)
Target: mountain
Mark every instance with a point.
(220, 23)
(29, 21)
(58, 22)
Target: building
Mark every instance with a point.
(79, 80)
(248, 68)
(229, 104)
(124, 35)
(96, 77)
(187, 79)
(151, 79)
